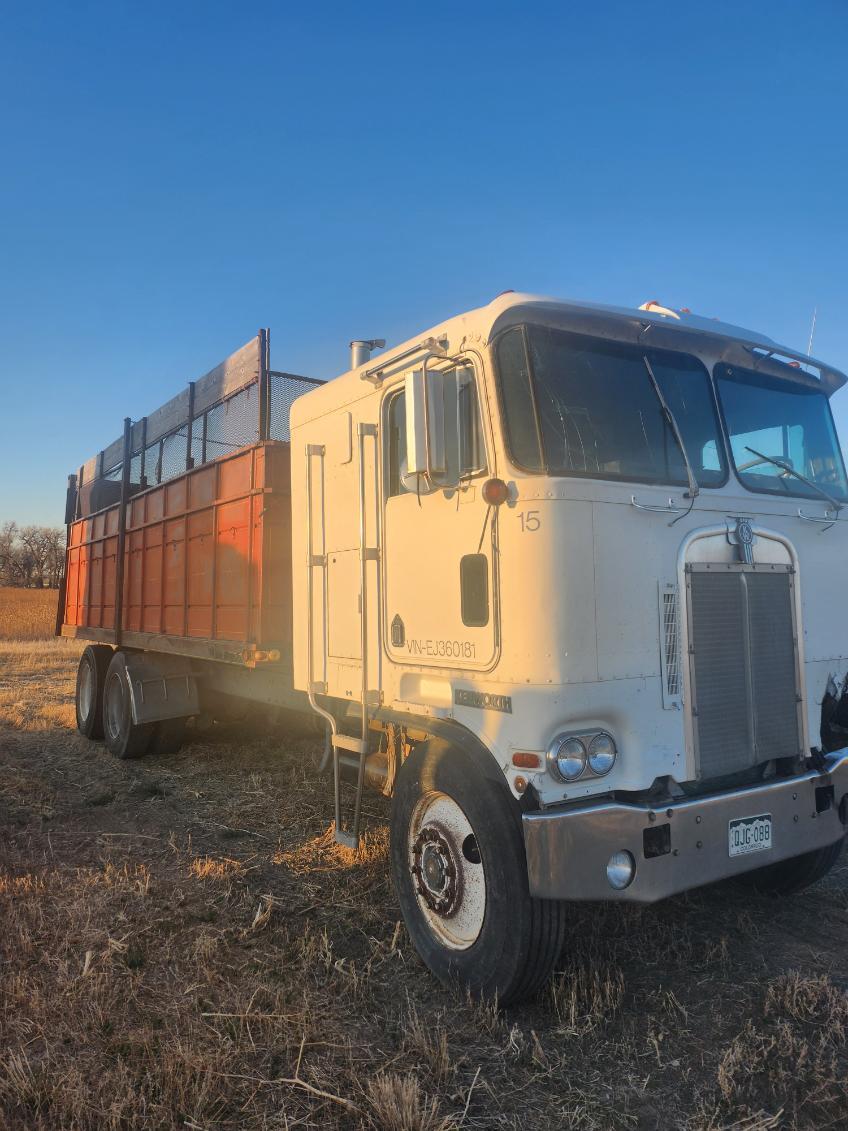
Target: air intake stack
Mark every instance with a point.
(360, 351)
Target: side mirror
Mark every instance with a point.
(425, 430)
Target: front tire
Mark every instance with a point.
(88, 697)
(124, 738)
(790, 876)
(460, 875)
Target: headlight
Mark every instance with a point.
(602, 754)
(566, 758)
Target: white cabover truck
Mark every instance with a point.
(568, 583)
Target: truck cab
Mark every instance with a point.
(567, 582)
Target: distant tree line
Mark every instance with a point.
(31, 557)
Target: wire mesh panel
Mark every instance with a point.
(174, 449)
(283, 391)
(233, 423)
(198, 446)
(135, 469)
(238, 403)
(151, 463)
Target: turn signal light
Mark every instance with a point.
(526, 761)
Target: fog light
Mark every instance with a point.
(620, 870)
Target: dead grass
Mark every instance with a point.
(26, 669)
(183, 945)
(27, 614)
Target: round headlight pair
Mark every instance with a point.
(568, 756)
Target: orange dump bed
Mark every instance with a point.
(206, 563)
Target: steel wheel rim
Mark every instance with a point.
(447, 873)
(86, 690)
(113, 702)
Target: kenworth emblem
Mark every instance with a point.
(745, 540)
(483, 700)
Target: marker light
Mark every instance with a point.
(495, 492)
(526, 761)
(566, 757)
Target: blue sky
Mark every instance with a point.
(178, 175)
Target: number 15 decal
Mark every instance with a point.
(529, 520)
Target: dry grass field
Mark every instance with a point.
(27, 614)
(182, 946)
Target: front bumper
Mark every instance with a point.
(568, 849)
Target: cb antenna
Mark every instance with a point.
(812, 332)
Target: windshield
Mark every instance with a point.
(787, 421)
(575, 405)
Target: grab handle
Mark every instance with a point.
(670, 508)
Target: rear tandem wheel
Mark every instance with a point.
(124, 738)
(88, 697)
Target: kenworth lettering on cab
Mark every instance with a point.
(564, 580)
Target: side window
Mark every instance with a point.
(474, 590)
(470, 441)
(396, 444)
(463, 431)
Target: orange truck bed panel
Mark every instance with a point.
(207, 557)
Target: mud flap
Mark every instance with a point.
(161, 687)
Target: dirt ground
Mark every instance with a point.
(182, 945)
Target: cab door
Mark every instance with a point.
(440, 576)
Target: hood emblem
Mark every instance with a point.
(743, 539)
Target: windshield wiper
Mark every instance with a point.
(791, 471)
(694, 489)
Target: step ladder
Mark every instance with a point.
(359, 746)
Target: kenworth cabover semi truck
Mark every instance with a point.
(566, 581)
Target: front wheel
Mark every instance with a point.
(461, 878)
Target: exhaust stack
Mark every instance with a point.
(360, 351)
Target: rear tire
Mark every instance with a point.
(88, 698)
(124, 738)
(790, 876)
(460, 874)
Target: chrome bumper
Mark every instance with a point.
(568, 849)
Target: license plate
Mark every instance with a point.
(749, 834)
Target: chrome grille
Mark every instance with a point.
(744, 666)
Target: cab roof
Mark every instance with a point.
(654, 326)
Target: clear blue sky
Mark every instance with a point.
(177, 175)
